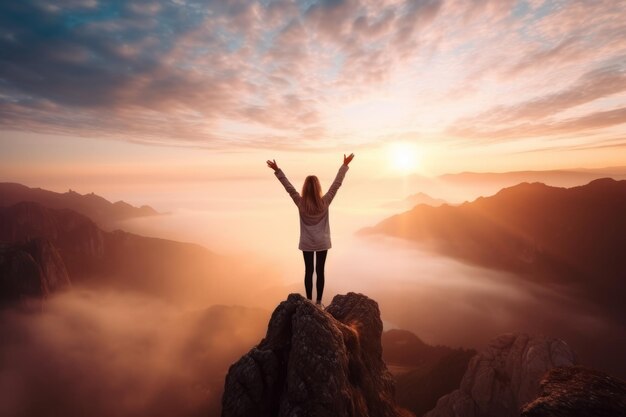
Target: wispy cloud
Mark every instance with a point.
(289, 73)
(536, 116)
(577, 125)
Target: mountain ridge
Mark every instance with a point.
(118, 258)
(97, 208)
(561, 235)
(565, 177)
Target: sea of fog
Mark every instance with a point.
(442, 300)
(101, 352)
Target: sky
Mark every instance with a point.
(190, 90)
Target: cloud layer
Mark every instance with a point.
(110, 354)
(313, 74)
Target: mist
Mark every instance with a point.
(442, 300)
(102, 349)
(107, 353)
(448, 302)
(102, 352)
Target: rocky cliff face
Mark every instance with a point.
(574, 391)
(504, 377)
(30, 271)
(118, 259)
(78, 239)
(315, 363)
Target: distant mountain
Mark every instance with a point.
(119, 259)
(493, 181)
(91, 205)
(404, 348)
(432, 371)
(572, 236)
(420, 389)
(414, 200)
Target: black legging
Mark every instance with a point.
(308, 273)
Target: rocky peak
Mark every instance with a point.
(575, 391)
(504, 377)
(315, 363)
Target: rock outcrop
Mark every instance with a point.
(315, 363)
(504, 377)
(575, 391)
(30, 271)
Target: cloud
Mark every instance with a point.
(239, 73)
(536, 116)
(579, 125)
(104, 353)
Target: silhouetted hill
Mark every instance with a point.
(433, 371)
(429, 371)
(315, 363)
(403, 348)
(91, 205)
(420, 389)
(491, 182)
(118, 258)
(569, 236)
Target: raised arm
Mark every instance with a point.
(330, 194)
(295, 196)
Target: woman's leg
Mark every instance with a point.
(319, 270)
(308, 273)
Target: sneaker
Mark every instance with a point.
(319, 304)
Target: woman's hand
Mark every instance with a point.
(347, 159)
(272, 164)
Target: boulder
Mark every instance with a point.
(504, 377)
(575, 391)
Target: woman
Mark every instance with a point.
(314, 225)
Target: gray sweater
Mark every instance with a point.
(314, 230)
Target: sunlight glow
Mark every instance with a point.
(403, 157)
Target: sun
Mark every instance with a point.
(403, 157)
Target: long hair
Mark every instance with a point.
(312, 202)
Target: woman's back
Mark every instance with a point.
(314, 226)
